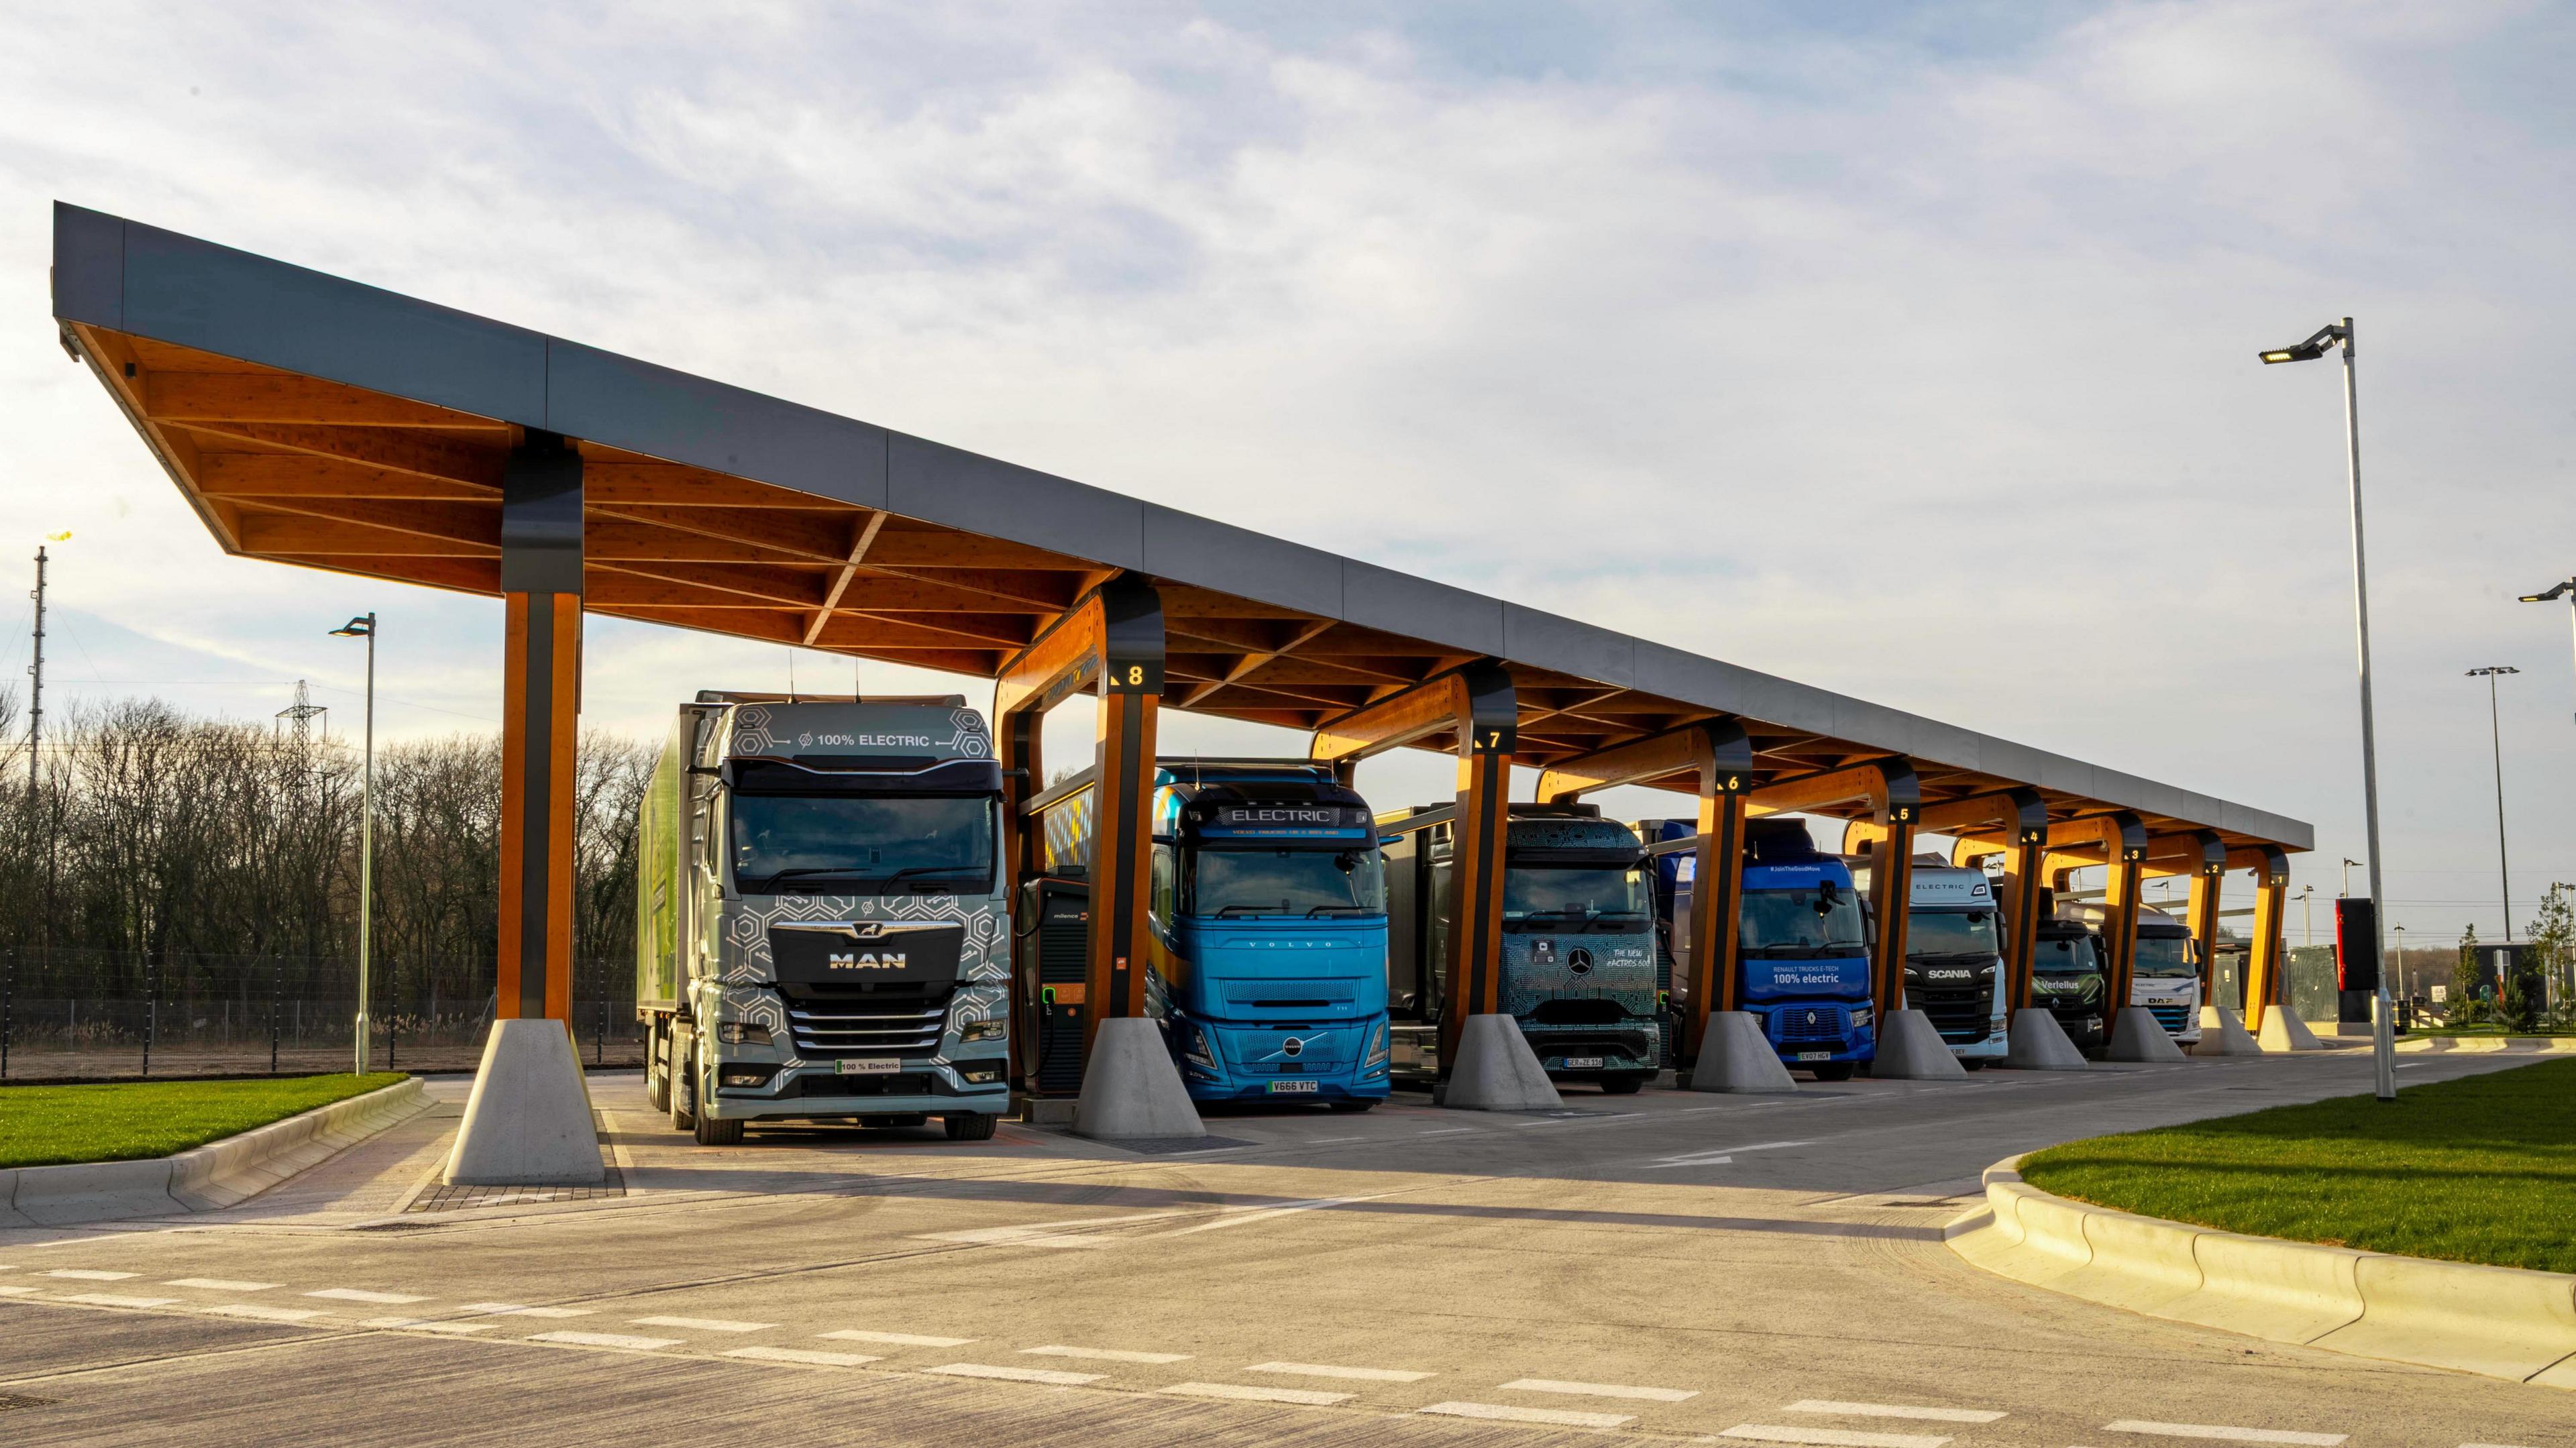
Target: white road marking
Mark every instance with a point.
(1044, 1234)
(1239, 1216)
(1893, 1410)
(219, 1284)
(896, 1339)
(1308, 1396)
(422, 1324)
(83, 1274)
(264, 1314)
(1327, 1370)
(1318, 1141)
(110, 1299)
(1559, 1416)
(606, 1339)
(2224, 1434)
(1017, 1375)
(1445, 1131)
(512, 1309)
(802, 1355)
(1107, 1354)
(703, 1324)
(359, 1294)
(1599, 1390)
(1719, 1156)
(1831, 1437)
(20, 1292)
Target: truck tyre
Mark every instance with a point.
(680, 1089)
(1832, 1070)
(970, 1126)
(657, 1069)
(1355, 1104)
(705, 1128)
(1621, 1085)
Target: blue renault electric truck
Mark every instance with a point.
(1801, 942)
(1578, 967)
(1267, 963)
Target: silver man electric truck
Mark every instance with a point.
(820, 929)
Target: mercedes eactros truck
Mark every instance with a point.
(820, 933)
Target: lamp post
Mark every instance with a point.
(2565, 589)
(2308, 913)
(2403, 984)
(364, 627)
(2495, 737)
(2339, 336)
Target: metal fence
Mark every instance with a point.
(108, 1014)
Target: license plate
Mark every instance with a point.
(867, 1068)
(1815, 1055)
(1583, 1063)
(2167, 1001)
(1292, 1088)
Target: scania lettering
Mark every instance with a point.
(818, 930)
(1802, 948)
(1267, 957)
(1953, 960)
(1578, 941)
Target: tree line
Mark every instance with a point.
(149, 844)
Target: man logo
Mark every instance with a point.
(863, 960)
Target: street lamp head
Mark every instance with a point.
(2491, 669)
(363, 626)
(2309, 350)
(2555, 590)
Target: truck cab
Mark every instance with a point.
(820, 932)
(2067, 979)
(2165, 976)
(1267, 964)
(1953, 958)
(1578, 941)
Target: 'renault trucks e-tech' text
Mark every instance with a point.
(819, 929)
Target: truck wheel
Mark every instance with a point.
(972, 1126)
(1832, 1070)
(657, 1070)
(1351, 1105)
(1621, 1085)
(680, 1090)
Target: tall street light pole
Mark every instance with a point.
(2339, 336)
(2495, 737)
(364, 627)
(2567, 590)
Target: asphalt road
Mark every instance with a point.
(1649, 1268)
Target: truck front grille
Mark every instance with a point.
(893, 1027)
(2175, 1019)
(1797, 1024)
(1963, 1016)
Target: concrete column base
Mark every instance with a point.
(2135, 1036)
(2039, 1043)
(1736, 1056)
(1910, 1048)
(2222, 1034)
(1130, 1088)
(1497, 1070)
(2284, 1031)
(528, 1123)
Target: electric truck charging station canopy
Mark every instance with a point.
(316, 421)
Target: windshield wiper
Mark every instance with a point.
(1316, 910)
(806, 871)
(862, 877)
(1223, 911)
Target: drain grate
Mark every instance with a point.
(445, 1198)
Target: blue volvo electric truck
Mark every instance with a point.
(1267, 965)
(1801, 942)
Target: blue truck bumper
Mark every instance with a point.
(1807, 1033)
(1237, 1061)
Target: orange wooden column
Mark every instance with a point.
(541, 558)
(2200, 914)
(2263, 954)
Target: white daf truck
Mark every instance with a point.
(821, 933)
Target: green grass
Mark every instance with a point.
(2480, 1169)
(50, 1125)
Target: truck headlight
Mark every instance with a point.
(981, 1074)
(980, 1031)
(741, 1033)
(1377, 1047)
(1861, 1016)
(1200, 1051)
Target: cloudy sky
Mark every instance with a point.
(1902, 350)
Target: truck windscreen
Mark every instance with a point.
(1949, 932)
(1799, 924)
(2163, 955)
(862, 844)
(1576, 892)
(1275, 881)
(2067, 957)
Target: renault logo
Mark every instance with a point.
(1811, 1018)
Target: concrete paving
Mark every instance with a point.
(1649, 1268)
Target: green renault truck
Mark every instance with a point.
(821, 931)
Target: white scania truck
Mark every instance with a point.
(820, 927)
